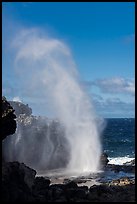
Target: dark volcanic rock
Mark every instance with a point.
(17, 182)
(124, 168)
(8, 126)
(41, 182)
(40, 189)
(71, 184)
(56, 192)
(20, 185)
(110, 193)
(97, 193)
(104, 160)
(132, 162)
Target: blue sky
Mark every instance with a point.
(100, 36)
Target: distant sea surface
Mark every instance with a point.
(119, 139)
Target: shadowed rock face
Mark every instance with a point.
(8, 123)
(17, 182)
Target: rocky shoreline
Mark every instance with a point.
(20, 184)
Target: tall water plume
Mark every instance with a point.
(46, 70)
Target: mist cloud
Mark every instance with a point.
(46, 70)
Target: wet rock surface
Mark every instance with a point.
(124, 168)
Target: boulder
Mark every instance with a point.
(17, 182)
(124, 168)
(71, 184)
(104, 160)
(40, 187)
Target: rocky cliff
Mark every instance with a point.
(21, 108)
(42, 138)
(8, 125)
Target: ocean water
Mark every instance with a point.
(118, 140)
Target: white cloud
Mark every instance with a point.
(114, 107)
(116, 85)
(115, 98)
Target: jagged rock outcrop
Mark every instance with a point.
(112, 193)
(8, 126)
(19, 184)
(44, 137)
(132, 162)
(104, 160)
(21, 108)
(125, 168)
